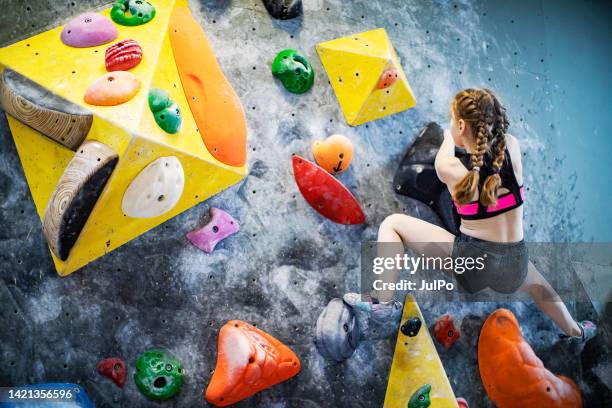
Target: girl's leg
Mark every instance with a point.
(549, 301)
(420, 236)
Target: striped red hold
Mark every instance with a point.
(123, 55)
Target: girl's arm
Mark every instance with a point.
(449, 168)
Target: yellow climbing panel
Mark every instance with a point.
(416, 363)
(129, 129)
(354, 65)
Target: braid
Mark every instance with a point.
(490, 188)
(468, 107)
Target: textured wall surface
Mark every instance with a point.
(287, 262)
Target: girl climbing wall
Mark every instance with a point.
(487, 188)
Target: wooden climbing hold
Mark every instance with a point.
(114, 369)
(75, 195)
(445, 331)
(334, 154)
(88, 30)
(113, 88)
(123, 55)
(512, 374)
(213, 102)
(51, 115)
(326, 194)
(220, 226)
(249, 360)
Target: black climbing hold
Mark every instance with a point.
(283, 9)
(416, 176)
(337, 331)
(411, 327)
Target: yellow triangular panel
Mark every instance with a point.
(354, 65)
(352, 76)
(129, 129)
(416, 363)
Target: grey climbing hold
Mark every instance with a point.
(337, 331)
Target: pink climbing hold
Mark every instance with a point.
(387, 78)
(88, 30)
(445, 331)
(462, 403)
(220, 226)
(114, 369)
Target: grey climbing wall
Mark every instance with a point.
(287, 262)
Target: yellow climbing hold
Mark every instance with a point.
(356, 65)
(416, 363)
(129, 129)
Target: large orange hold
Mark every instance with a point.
(513, 375)
(215, 106)
(248, 361)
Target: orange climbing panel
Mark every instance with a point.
(248, 361)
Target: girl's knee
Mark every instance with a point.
(391, 222)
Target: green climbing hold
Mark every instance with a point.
(420, 398)
(166, 112)
(159, 375)
(293, 70)
(132, 12)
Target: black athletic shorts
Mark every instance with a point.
(505, 264)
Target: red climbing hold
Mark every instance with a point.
(113, 368)
(325, 193)
(248, 361)
(445, 331)
(512, 374)
(123, 55)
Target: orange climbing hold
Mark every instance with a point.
(113, 88)
(248, 361)
(513, 375)
(215, 106)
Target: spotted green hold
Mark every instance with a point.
(166, 112)
(420, 398)
(132, 12)
(293, 70)
(159, 375)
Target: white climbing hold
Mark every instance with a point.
(155, 190)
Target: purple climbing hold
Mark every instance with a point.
(88, 30)
(220, 226)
